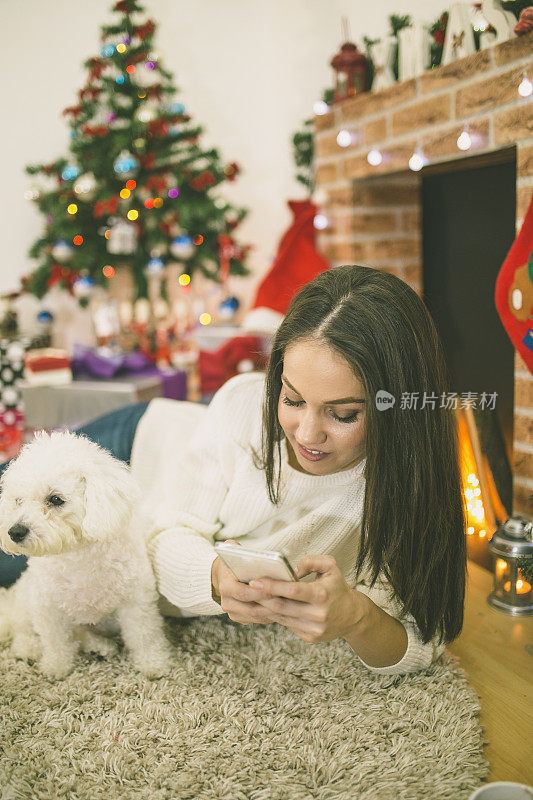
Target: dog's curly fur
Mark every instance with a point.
(88, 569)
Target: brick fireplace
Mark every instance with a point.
(374, 212)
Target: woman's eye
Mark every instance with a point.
(55, 500)
(351, 418)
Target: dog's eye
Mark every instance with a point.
(55, 500)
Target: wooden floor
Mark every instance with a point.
(496, 651)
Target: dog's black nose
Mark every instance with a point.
(18, 532)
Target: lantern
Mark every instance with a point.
(512, 593)
(350, 72)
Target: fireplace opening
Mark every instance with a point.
(468, 225)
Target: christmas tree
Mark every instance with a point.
(137, 189)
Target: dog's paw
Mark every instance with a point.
(26, 647)
(153, 665)
(54, 667)
(92, 642)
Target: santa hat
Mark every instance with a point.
(297, 262)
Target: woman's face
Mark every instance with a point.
(313, 376)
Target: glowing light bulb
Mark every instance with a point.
(320, 222)
(78, 240)
(374, 157)
(417, 160)
(72, 208)
(125, 193)
(526, 87)
(344, 138)
(108, 271)
(320, 107)
(121, 48)
(482, 533)
(464, 142)
(470, 531)
(132, 214)
(205, 319)
(131, 184)
(184, 279)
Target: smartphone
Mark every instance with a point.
(248, 565)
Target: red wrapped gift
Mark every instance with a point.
(239, 354)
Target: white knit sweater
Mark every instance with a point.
(201, 486)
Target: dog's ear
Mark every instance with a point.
(110, 494)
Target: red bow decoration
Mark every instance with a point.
(205, 178)
(124, 6)
(148, 160)
(74, 110)
(91, 92)
(157, 183)
(99, 130)
(158, 127)
(96, 67)
(145, 30)
(62, 274)
(154, 91)
(108, 206)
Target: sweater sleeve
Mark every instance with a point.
(185, 502)
(418, 656)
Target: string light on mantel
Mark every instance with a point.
(526, 87)
(344, 138)
(320, 108)
(466, 140)
(374, 157)
(417, 160)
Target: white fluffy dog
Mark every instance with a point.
(74, 510)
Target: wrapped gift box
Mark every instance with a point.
(102, 383)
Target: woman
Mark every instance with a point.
(304, 459)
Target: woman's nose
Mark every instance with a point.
(310, 431)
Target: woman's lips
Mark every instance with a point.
(310, 456)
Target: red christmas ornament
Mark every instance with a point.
(514, 290)
(231, 171)
(145, 30)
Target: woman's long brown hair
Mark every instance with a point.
(413, 525)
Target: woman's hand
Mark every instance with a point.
(237, 598)
(320, 611)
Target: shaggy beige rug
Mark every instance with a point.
(248, 713)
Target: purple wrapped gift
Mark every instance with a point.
(88, 363)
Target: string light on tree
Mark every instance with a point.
(205, 319)
(72, 208)
(108, 271)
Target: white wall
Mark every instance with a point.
(248, 71)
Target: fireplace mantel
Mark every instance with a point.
(374, 211)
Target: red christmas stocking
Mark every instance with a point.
(297, 261)
(514, 290)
